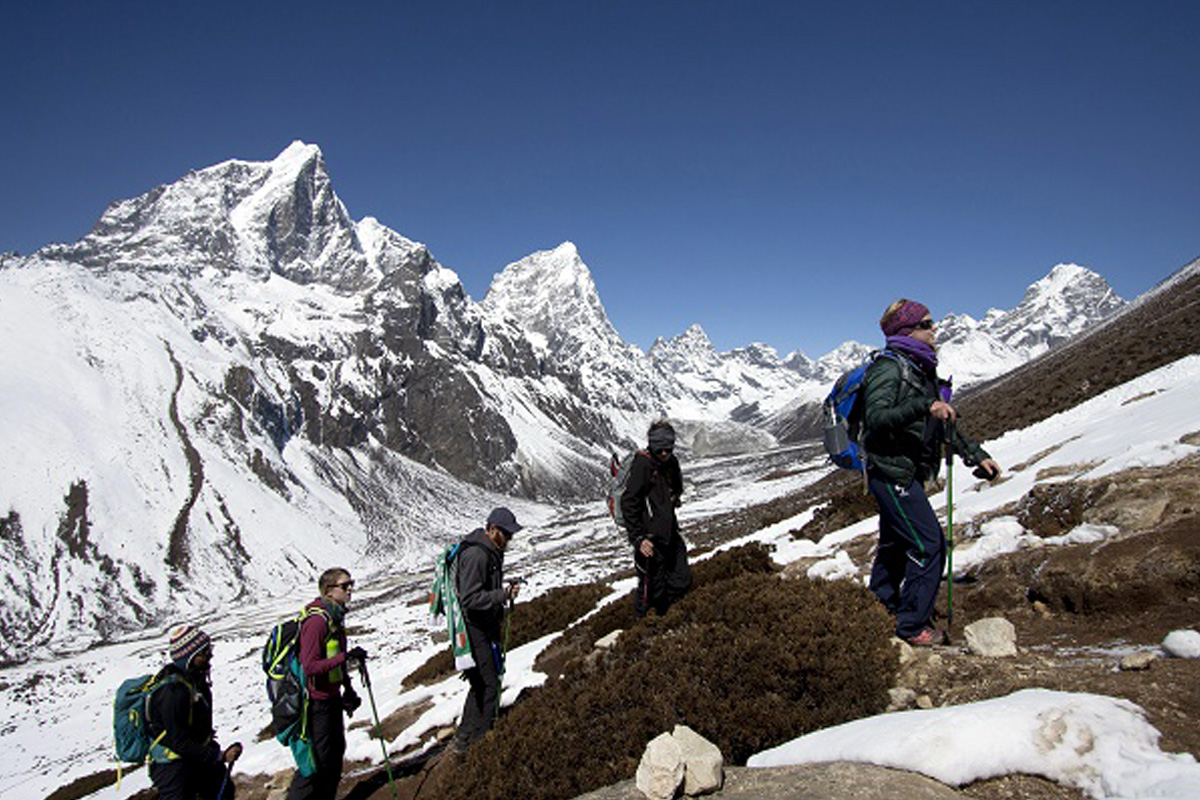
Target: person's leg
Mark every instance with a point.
(677, 575)
(917, 527)
(171, 780)
(470, 724)
(327, 740)
(211, 783)
(641, 592)
(479, 709)
(887, 573)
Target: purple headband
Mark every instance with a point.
(903, 319)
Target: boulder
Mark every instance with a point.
(704, 766)
(661, 771)
(901, 698)
(1140, 660)
(994, 637)
(608, 640)
(1182, 644)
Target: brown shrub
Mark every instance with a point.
(577, 642)
(748, 661)
(548, 613)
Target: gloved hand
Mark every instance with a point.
(350, 702)
(232, 753)
(356, 654)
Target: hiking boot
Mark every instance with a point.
(928, 638)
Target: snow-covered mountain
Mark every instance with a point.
(1068, 301)
(229, 383)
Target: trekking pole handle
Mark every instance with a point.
(362, 671)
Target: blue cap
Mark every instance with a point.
(503, 519)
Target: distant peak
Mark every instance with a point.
(299, 151)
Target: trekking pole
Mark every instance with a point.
(228, 775)
(504, 649)
(225, 781)
(949, 526)
(366, 679)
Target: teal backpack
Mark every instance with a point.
(131, 715)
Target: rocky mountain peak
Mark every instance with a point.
(1068, 300)
(260, 218)
(551, 295)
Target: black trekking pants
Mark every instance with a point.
(479, 710)
(327, 737)
(911, 555)
(190, 780)
(663, 578)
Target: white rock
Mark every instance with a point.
(1182, 644)
(704, 766)
(608, 640)
(661, 770)
(907, 652)
(901, 697)
(993, 637)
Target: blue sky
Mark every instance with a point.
(776, 172)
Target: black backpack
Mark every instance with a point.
(287, 690)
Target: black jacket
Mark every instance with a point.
(183, 709)
(650, 498)
(480, 584)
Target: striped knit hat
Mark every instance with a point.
(186, 641)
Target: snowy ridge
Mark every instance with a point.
(229, 381)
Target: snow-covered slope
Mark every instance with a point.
(229, 383)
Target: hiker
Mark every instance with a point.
(648, 506)
(482, 595)
(905, 426)
(185, 760)
(326, 663)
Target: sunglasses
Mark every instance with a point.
(345, 585)
(924, 325)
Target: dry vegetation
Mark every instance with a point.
(746, 659)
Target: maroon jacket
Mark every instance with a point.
(323, 654)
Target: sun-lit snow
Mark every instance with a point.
(57, 721)
(1101, 745)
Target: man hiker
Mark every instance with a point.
(186, 762)
(326, 664)
(906, 422)
(482, 596)
(648, 506)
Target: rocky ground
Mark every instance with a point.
(1078, 611)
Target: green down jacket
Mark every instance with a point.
(903, 442)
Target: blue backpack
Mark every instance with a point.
(844, 409)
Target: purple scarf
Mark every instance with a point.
(923, 354)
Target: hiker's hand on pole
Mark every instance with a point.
(646, 548)
(942, 410)
(232, 753)
(356, 654)
(512, 590)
